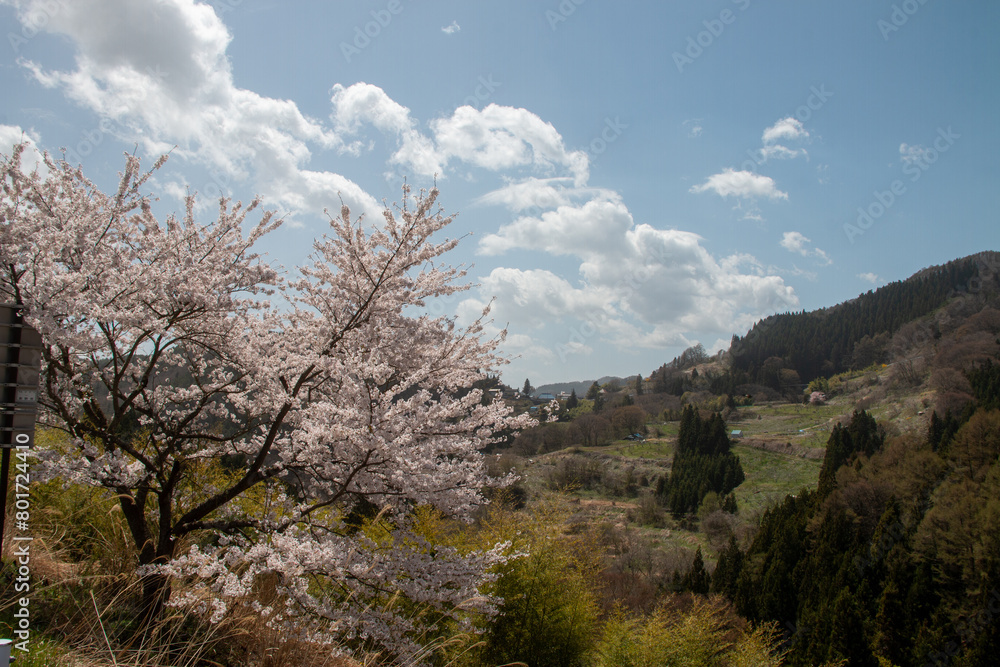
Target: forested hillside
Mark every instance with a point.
(854, 334)
(896, 555)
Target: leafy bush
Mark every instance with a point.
(547, 610)
(703, 636)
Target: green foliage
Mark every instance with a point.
(702, 636)
(820, 384)
(572, 401)
(896, 559)
(985, 382)
(727, 569)
(861, 436)
(702, 463)
(547, 611)
(850, 335)
(697, 580)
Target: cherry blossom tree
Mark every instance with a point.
(250, 411)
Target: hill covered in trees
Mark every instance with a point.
(856, 333)
(895, 557)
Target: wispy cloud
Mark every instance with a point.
(798, 243)
(740, 184)
(786, 128)
(452, 28)
(694, 127)
(870, 278)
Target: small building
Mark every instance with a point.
(736, 434)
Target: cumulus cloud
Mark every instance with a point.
(796, 242)
(495, 138)
(452, 28)
(740, 184)
(539, 193)
(640, 286)
(159, 72)
(596, 226)
(499, 137)
(870, 278)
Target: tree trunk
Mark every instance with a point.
(155, 594)
(155, 587)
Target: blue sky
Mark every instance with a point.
(630, 178)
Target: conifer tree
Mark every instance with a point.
(572, 401)
(697, 580)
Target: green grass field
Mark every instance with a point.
(771, 476)
(803, 425)
(650, 449)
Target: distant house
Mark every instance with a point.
(545, 397)
(736, 434)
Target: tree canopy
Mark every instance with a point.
(200, 385)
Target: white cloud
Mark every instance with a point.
(160, 73)
(870, 278)
(363, 103)
(542, 193)
(777, 151)
(495, 138)
(31, 158)
(596, 226)
(694, 128)
(641, 286)
(500, 137)
(741, 184)
(452, 28)
(796, 242)
(786, 128)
